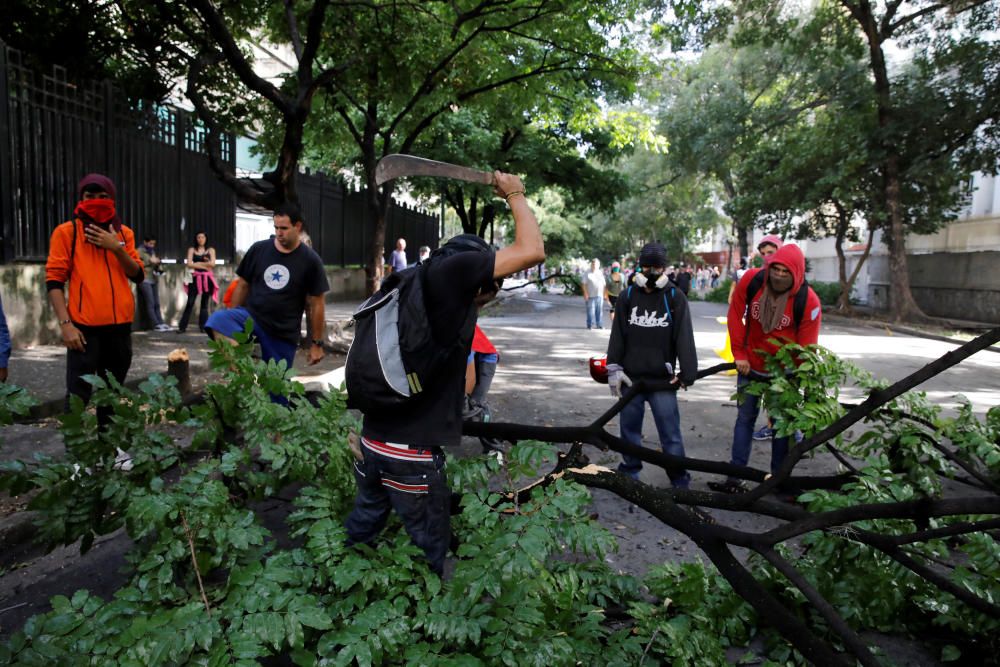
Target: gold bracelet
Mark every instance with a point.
(511, 194)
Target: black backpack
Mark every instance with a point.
(394, 358)
(798, 306)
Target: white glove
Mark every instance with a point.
(616, 378)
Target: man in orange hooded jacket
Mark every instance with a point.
(770, 314)
(96, 254)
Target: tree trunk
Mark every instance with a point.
(901, 303)
(843, 225)
(844, 302)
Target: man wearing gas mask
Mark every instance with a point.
(769, 305)
(651, 332)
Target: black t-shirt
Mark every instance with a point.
(279, 283)
(683, 281)
(436, 420)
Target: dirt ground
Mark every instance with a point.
(542, 379)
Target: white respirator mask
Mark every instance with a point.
(641, 280)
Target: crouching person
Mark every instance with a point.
(402, 468)
(651, 332)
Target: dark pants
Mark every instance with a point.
(485, 370)
(151, 297)
(108, 352)
(192, 291)
(416, 490)
(746, 417)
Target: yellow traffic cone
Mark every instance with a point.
(726, 353)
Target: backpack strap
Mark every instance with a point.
(667, 304)
(799, 307)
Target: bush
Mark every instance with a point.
(721, 293)
(828, 293)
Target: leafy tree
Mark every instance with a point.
(715, 110)
(409, 66)
(86, 40)
(545, 154)
(662, 204)
(953, 35)
(207, 43)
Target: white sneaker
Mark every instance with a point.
(123, 461)
(163, 327)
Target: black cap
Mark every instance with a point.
(653, 254)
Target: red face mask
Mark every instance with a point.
(98, 210)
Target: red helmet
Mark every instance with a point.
(599, 368)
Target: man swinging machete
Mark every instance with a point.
(402, 464)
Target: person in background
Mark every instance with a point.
(683, 278)
(615, 285)
(424, 253)
(201, 261)
(398, 260)
(594, 293)
(149, 286)
(4, 344)
(479, 373)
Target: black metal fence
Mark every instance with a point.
(340, 226)
(53, 131)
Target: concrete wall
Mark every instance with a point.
(32, 322)
(957, 285)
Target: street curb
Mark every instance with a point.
(906, 331)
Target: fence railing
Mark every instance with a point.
(53, 131)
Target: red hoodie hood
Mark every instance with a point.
(790, 256)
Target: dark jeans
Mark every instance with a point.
(151, 297)
(416, 490)
(746, 417)
(485, 370)
(192, 292)
(666, 416)
(108, 351)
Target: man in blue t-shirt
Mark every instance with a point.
(280, 277)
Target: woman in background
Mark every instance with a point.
(201, 260)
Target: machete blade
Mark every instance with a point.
(402, 166)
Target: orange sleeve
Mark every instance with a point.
(133, 253)
(57, 266)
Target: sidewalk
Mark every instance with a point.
(41, 370)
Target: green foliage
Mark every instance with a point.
(14, 402)
(828, 293)
(720, 294)
(904, 459)
(530, 585)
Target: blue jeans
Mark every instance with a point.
(666, 416)
(594, 311)
(416, 490)
(151, 296)
(231, 321)
(746, 417)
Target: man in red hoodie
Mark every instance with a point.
(762, 310)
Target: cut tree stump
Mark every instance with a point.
(179, 366)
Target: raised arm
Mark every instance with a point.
(528, 248)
